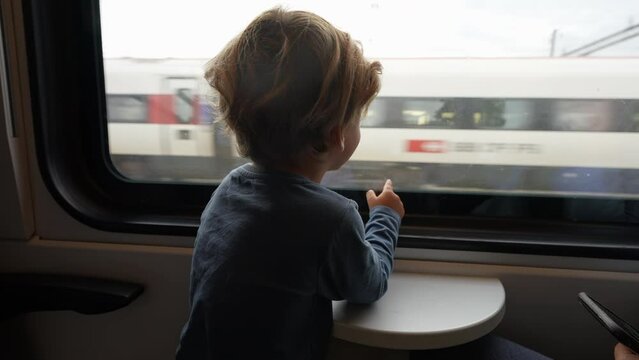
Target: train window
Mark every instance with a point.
(504, 114)
(376, 115)
(185, 103)
(518, 114)
(419, 113)
(127, 108)
(590, 115)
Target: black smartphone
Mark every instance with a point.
(620, 329)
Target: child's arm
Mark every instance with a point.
(360, 259)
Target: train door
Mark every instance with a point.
(186, 137)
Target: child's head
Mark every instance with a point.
(286, 81)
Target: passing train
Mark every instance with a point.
(517, 173)
(546, 125)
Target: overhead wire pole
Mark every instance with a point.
(553, 39)
(587, 47)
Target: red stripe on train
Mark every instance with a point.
(427, 146)
(161, 110)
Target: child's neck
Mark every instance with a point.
(309, 167)
(313, 166)
(313, 172)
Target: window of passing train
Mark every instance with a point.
(127, 108)
(536, 98)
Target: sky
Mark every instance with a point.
(386, 28)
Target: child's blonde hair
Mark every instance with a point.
(286, 81)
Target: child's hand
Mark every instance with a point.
(624, 353)
(386, 198)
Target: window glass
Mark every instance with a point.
(490, 97)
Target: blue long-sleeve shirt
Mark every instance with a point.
(273, 249)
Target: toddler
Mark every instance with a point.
(274, 247)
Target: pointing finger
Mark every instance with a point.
(370, 194)
(388, 186)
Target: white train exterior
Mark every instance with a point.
(538, 122)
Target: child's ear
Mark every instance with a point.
(336, 137)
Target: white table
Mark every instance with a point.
(422, 311)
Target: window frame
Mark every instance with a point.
(67, 82)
